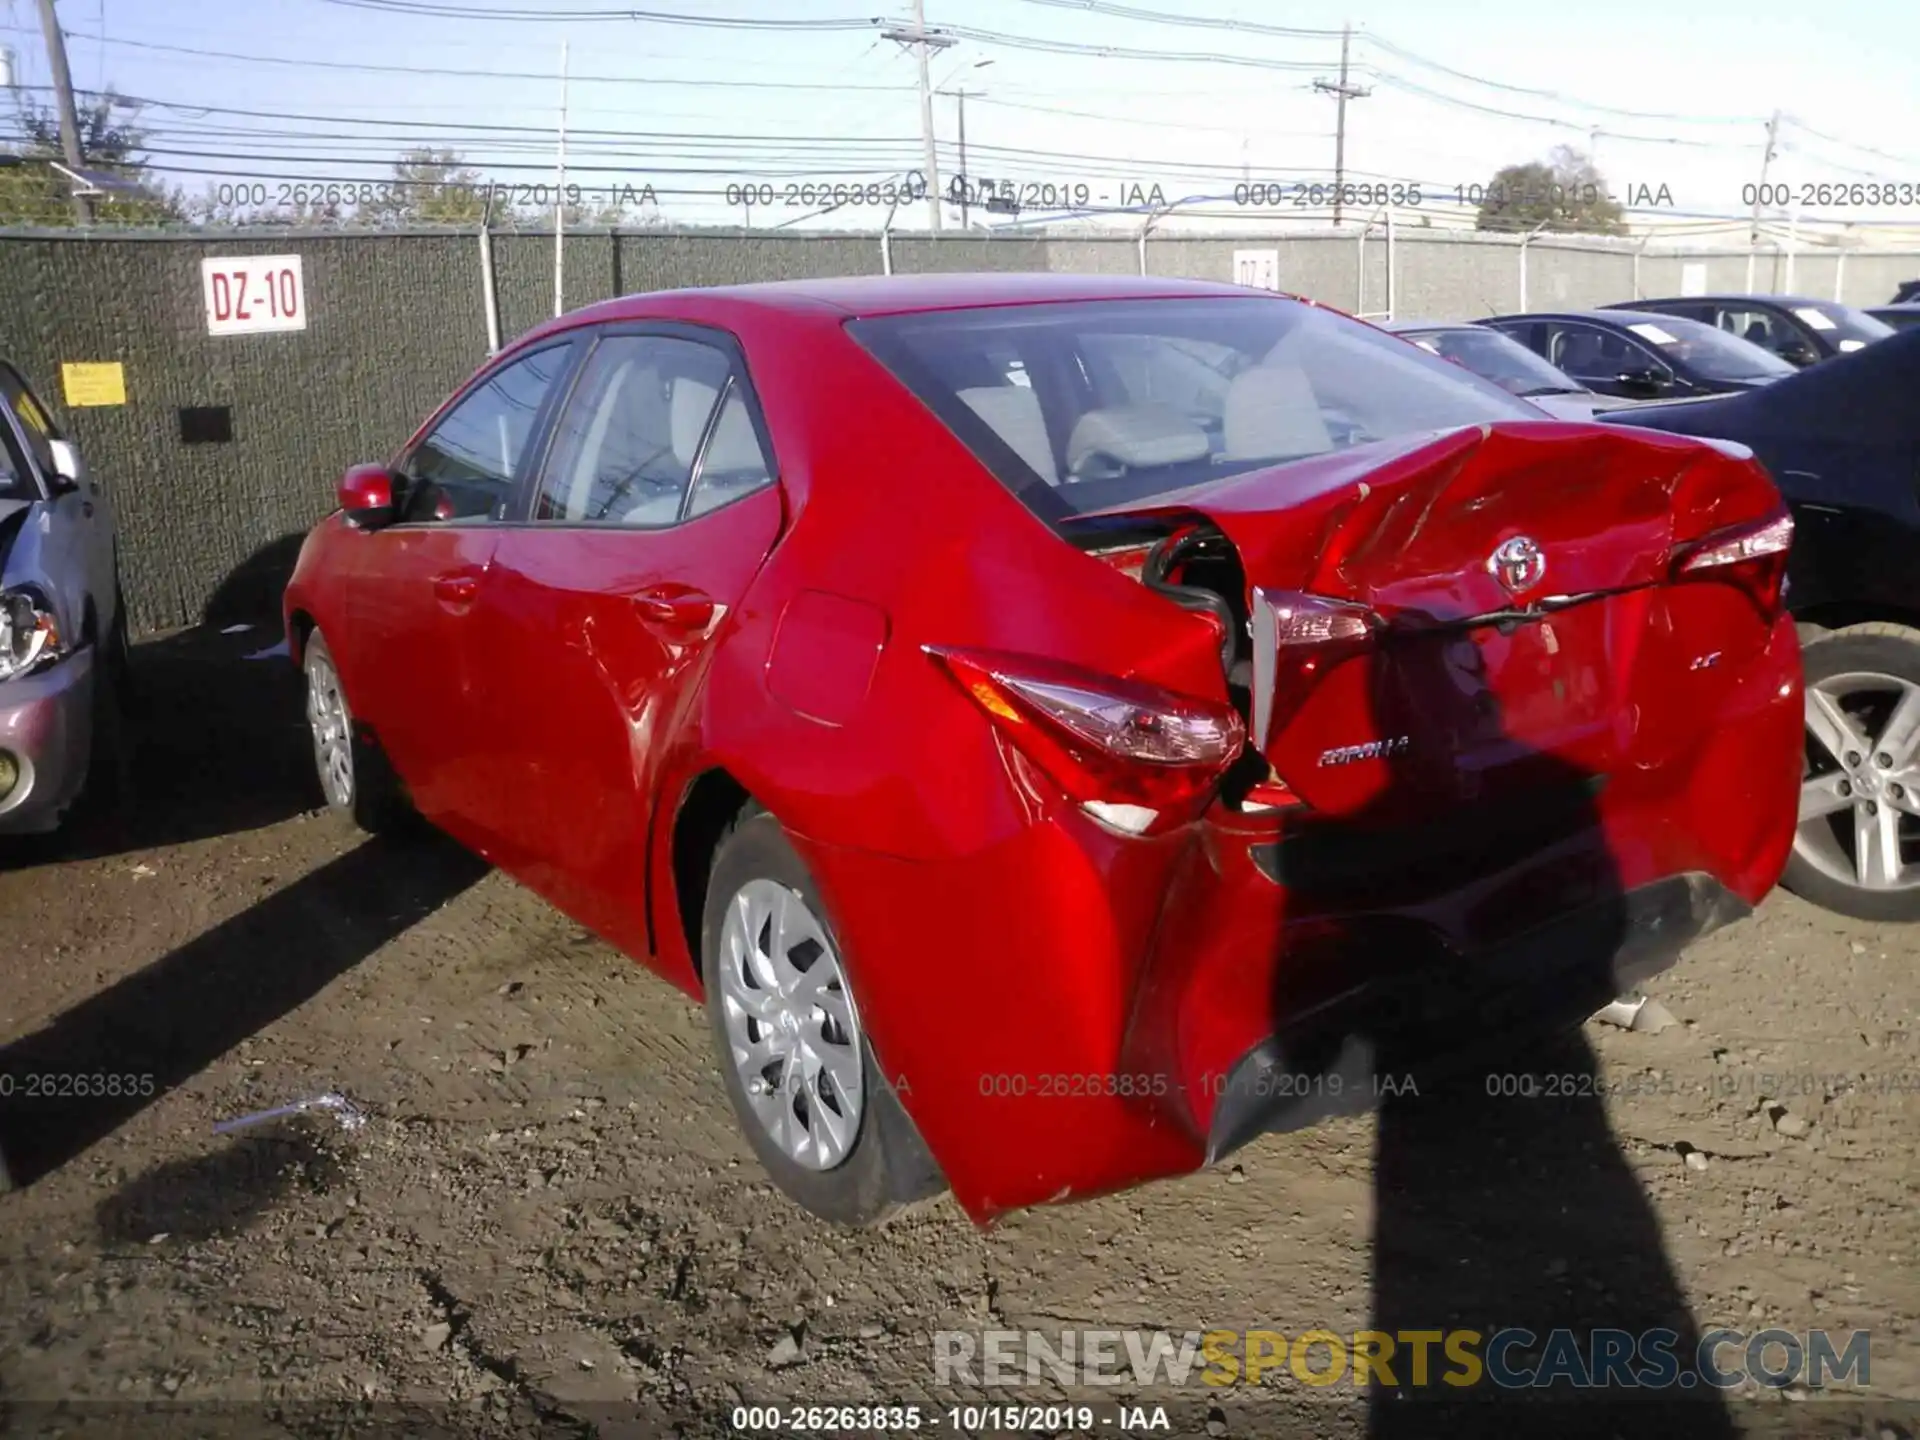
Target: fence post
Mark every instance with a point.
(1390, 311)
(1360, 270)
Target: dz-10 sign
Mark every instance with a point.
(249, 294)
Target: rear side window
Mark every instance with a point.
(1079, 406)
(656, 430)
(464, 468)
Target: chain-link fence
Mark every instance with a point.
(221, 448)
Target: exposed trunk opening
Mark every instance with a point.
(1440, 623)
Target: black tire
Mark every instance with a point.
(887, 1167)
(1881, 649)
(375, 799)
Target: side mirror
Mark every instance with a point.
(366, 495)
(68, 472)
(1797, 352)
(1644, 381)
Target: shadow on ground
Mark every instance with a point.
(164, 1024)
(220, 746)
(1455, 930)
(224, 1192)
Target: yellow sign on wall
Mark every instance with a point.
(102, 383)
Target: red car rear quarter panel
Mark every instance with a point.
(939, 869)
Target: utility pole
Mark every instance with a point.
(1342, 92)
(960, 96)
(925, 42)
(560, 198)
(1766, 159)
(63, 95)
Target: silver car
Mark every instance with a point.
(63, 632)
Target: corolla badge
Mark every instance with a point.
(1371, 750)
(1518, 563)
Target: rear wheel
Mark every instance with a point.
(354, 776)
(798, 1068)
(1857, 850)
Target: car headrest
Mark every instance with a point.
(690, 406)
(1272, 413)
(1013, 413)
(1138, 436)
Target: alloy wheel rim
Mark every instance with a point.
(1860, 795)
(332, 731)
(793, 1034)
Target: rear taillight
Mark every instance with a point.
(1752, 555)
(1297, 638)
(1134, 756)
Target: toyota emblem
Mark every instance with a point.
(1518, 563)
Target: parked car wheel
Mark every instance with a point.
(1857, 850)
(354, 776)
(798, 1067)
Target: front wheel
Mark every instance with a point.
(354, 776)
(797, 1064)
(1857, 849)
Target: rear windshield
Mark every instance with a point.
(1846, 327)
(1710, 353)
(1076, 407)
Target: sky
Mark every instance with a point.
(1082, 104)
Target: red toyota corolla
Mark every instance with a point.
(1064, 727)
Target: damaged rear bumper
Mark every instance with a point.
(1366, 1044)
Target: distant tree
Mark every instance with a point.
(1564, 192)
(211, 209)
(32, 192)
(429, 187)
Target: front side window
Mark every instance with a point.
(1757, 327)
(464, 468)
(1083, 405)
(647, 412)
(1591, 353)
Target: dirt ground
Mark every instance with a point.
(549, 1221)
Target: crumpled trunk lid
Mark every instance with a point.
(1568, 652)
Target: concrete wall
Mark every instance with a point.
(397, 320)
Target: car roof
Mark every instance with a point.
(1400, 326)
(1904, 307)
(862, 295)
(1727, 299)
(1606, 316)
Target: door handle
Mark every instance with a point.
(455, 591)
(675, 608)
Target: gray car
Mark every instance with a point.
(63, 645)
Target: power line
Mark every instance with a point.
(1383, 43)
(1122, 52)
(370, 67)
(1154, 123)
(1251, 27)
(552, 17)
(1199, 22)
